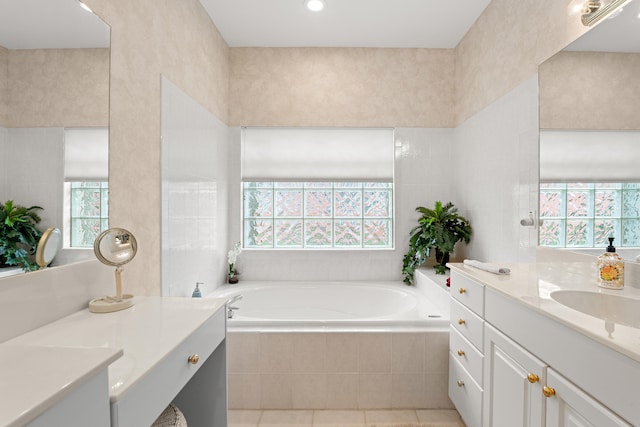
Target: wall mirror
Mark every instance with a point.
(54, 76)
(590, 138)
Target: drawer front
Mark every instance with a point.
(465, 394)
(160, 385)
(468, 292)
(468, 356)
(468, 324)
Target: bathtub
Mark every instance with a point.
(331, 306)
(337, 345)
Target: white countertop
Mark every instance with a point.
(147, 332)
(33, 379)
(532, 284)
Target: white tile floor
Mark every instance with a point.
(344, 418)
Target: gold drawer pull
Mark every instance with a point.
(460, 353)
(548, 391)
(194, 359)
(462, 290)
(533, 378)
(461, 322)
(460, 383)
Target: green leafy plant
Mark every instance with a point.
(440, 229)
(18, 235)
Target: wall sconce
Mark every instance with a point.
(595, 10)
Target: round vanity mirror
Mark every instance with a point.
(48, 246)
(114, 247)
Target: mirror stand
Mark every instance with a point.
(114, 247)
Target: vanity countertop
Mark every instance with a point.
(532, 284)
(35, 378)
(148, 331)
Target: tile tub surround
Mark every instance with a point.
(338, 370)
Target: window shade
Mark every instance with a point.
(589, 156)
(312, 154)
(86, 154)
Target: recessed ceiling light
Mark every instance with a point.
(314, 5)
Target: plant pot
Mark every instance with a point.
(442, 258)
(233, 279)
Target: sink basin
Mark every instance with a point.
(613, 308)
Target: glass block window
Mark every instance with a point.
(318, 215)
(584, 215)
(88, 210)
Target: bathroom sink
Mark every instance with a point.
(614, 308)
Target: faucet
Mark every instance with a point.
(230, 308)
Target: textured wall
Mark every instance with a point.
(4, 95)
(505, 46)
(342, 87)
(58, 87)
(148, 38)
(590, 90)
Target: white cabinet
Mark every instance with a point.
(514, 379)
(466, 348)
(569, 406)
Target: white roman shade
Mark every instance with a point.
(589, 156)
(86, 154)
(317, 154)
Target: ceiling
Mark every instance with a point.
(50, 24)
(345, 23)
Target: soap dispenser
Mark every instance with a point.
(196, 292)
(610, 268)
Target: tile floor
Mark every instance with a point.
(344, 418)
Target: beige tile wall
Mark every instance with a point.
(342, 87)
(506, 45)
(590, 90)
(4, 95)
(337, 370)
(58, 88)
(148, 38)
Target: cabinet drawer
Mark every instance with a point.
(147, 398)
(468, 292)
(465, 353)
(465, 394)
(467, 323)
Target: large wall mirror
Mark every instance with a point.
(54, 116)
(590, 138)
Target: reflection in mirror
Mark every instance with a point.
(54, 77)
(48, 246)
(114, 247)
(590, 138)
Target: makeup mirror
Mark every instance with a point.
(114, 247)
(48, 246)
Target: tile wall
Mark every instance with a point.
(194, 195)
(337, 370)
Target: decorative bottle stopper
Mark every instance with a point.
(196, 291)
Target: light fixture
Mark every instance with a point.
(315, 5)
(595, 10)
(85, 7)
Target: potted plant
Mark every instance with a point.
(232, 256)
(18, 235)
(439, 228)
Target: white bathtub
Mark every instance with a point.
(331, 306)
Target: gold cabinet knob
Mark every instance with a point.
(194, 359)
(460, 383)
(460, 353)
(533, 378)
(461, 322)
(462, 290)
(548, 391)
